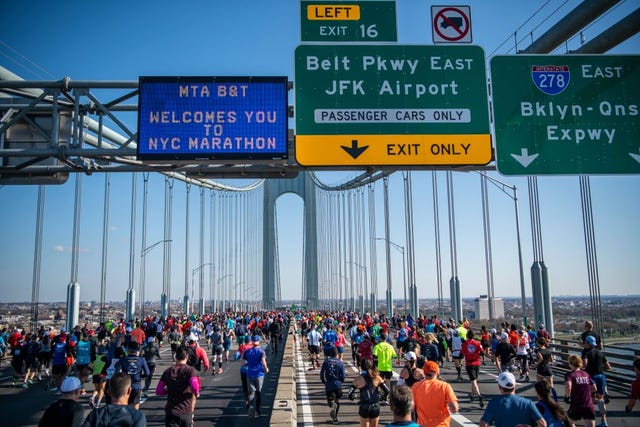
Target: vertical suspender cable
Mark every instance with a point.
(373, 261)
(436, 223)
(37, 257)
(187, 304)
(105, 245)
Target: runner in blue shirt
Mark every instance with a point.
(255, 360)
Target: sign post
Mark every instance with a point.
(391, 105)
(562, 115)
(348, 21)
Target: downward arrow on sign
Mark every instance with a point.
(524, 158)
(354, 151)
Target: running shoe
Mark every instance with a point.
(25, 385)
(335, 422)
(481, 402)
(219, 370)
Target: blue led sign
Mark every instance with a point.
(192, 118)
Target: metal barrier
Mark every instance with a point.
(621, 359)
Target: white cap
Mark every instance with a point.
(70, 384)
(411, 355)
(507, 380)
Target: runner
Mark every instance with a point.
(435, 400)
(134, 366)
(402, 406)
(332, 375)
(256, 361)
(578, 389)
(180, 383)
(151, 354)
(368, 383)
(472, 351)
(384, 354)
(217, 350)
(314, 340)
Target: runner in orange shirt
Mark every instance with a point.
(435, 400)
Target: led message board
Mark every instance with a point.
(209, 118)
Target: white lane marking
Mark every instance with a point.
(307, 414)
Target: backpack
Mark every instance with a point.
(192, 358)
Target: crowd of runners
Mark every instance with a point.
(419, 348)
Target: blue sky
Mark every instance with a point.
(118, 40)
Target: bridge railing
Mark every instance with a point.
(621, 358)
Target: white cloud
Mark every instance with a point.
(58, 248)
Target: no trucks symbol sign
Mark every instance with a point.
(451, 24)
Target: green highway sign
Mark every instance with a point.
(566, 115)
(348, 21)
(391, 105)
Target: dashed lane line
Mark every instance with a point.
(307, 414)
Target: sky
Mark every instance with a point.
(118, 40)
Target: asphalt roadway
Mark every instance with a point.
(313, 409)
(222, 404)
(221, 401)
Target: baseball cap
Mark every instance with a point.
(128, 329)
(541, 326)
(256, 338)
(63, 330)
(591, 340)
(192, 338)
(506, 380)
(151, 339)
(493, 330)
(504, 336)
(411, 355)
(70, 384)
(431, 367)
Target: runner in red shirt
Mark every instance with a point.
(472, 351)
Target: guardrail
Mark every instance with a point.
(621, 359)
(285, 405)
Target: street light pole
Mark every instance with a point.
(400, 249)
(224, 297)
(143, 254)
(193, 272)
(501, 185)
(366, 285)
